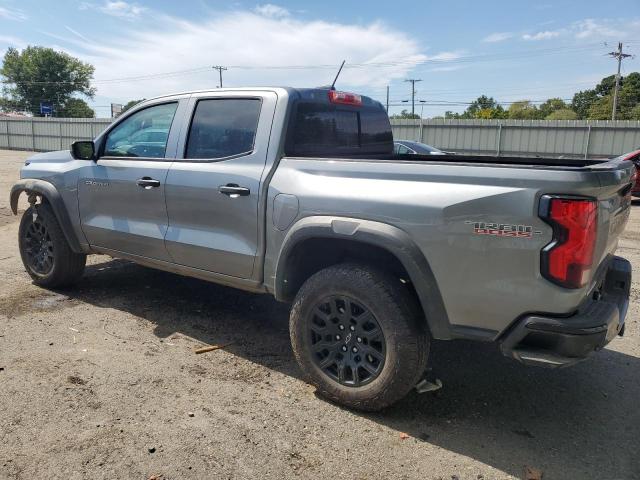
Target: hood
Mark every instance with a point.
(50, 157)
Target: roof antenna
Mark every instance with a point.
(333, 85)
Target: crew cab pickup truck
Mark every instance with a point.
(297, 193)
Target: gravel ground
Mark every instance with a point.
(101, 381)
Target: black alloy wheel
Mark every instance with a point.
(38, 247)
(347, 342)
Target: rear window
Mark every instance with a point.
(323, 129)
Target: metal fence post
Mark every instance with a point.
(499, 141)
(33, 137)
(586, 147)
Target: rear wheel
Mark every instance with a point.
(357, 335)
(45, 252)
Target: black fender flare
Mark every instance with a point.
(50, 192)
(393, 239)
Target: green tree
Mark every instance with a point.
(582, 102)
(130, 104)
(524, 110)
(481, 107)
(77, 108)
(450, 114)
(628, 100)
(601, 109)
(4, 104)
(562, 114)
(489, 113)
(404, 114)
(552, 105)
(634, 113)
(485, 107)
(606, 86)
(629, 96)
(481, 103)
(39, 74)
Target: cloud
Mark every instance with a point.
(590, 28)
(444, 56)
(7, 41)
(272, 11)
(545, 35)
(13, 14)
(497, 37)
(446, 68)
(11, 41)
(115, 8)
(252, 44)
(77, 34)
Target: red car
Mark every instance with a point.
(635, 158)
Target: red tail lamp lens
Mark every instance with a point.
(568, 259)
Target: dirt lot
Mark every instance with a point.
(102, 382)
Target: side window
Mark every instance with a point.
(402, 149)
(143, 134)
(223, 127)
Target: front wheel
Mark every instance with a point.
(45, 252)
(357, 335)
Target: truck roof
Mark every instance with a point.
(316, 93)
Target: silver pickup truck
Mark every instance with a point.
(297, 193)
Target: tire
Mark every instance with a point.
(399, 356)
(45, 252)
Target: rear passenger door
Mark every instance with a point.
(212, 189)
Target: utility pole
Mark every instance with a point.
(220, 69)
(413, 93)
(387, 99)
(620, 56)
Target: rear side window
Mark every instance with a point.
(332, 130)
(401, 149)
(223, 127)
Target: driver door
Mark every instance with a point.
(122, 199)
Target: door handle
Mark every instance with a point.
(234, 190)
(148, 182)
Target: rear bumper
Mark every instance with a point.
(560, 341)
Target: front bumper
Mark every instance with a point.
(551, 341)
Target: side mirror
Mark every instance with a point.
(83, 150)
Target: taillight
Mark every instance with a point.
(568, 259)
(345, 98)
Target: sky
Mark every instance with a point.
(459, 49)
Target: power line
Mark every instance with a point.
(619, 55)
